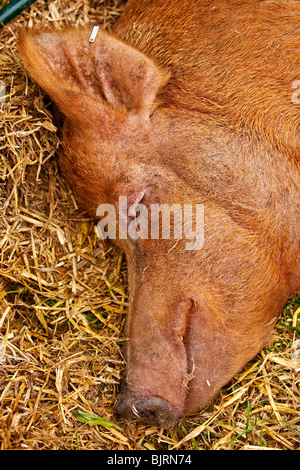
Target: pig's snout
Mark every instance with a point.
(154, 390)
(152, 410)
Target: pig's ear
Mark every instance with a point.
(75, 72)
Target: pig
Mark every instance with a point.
(187, 102)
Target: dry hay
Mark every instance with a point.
(63, 300)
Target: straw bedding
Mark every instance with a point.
(63, 300)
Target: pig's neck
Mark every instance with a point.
(258, 187)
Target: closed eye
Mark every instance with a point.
(133, 207)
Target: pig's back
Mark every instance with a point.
(235, 61)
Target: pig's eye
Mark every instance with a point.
(136, 203)
(137, 217)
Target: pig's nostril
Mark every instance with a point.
(152, 410)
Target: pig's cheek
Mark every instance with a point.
(212, 358)
(216, 350)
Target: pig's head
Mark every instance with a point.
(197, 315)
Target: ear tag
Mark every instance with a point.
(94, 33)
